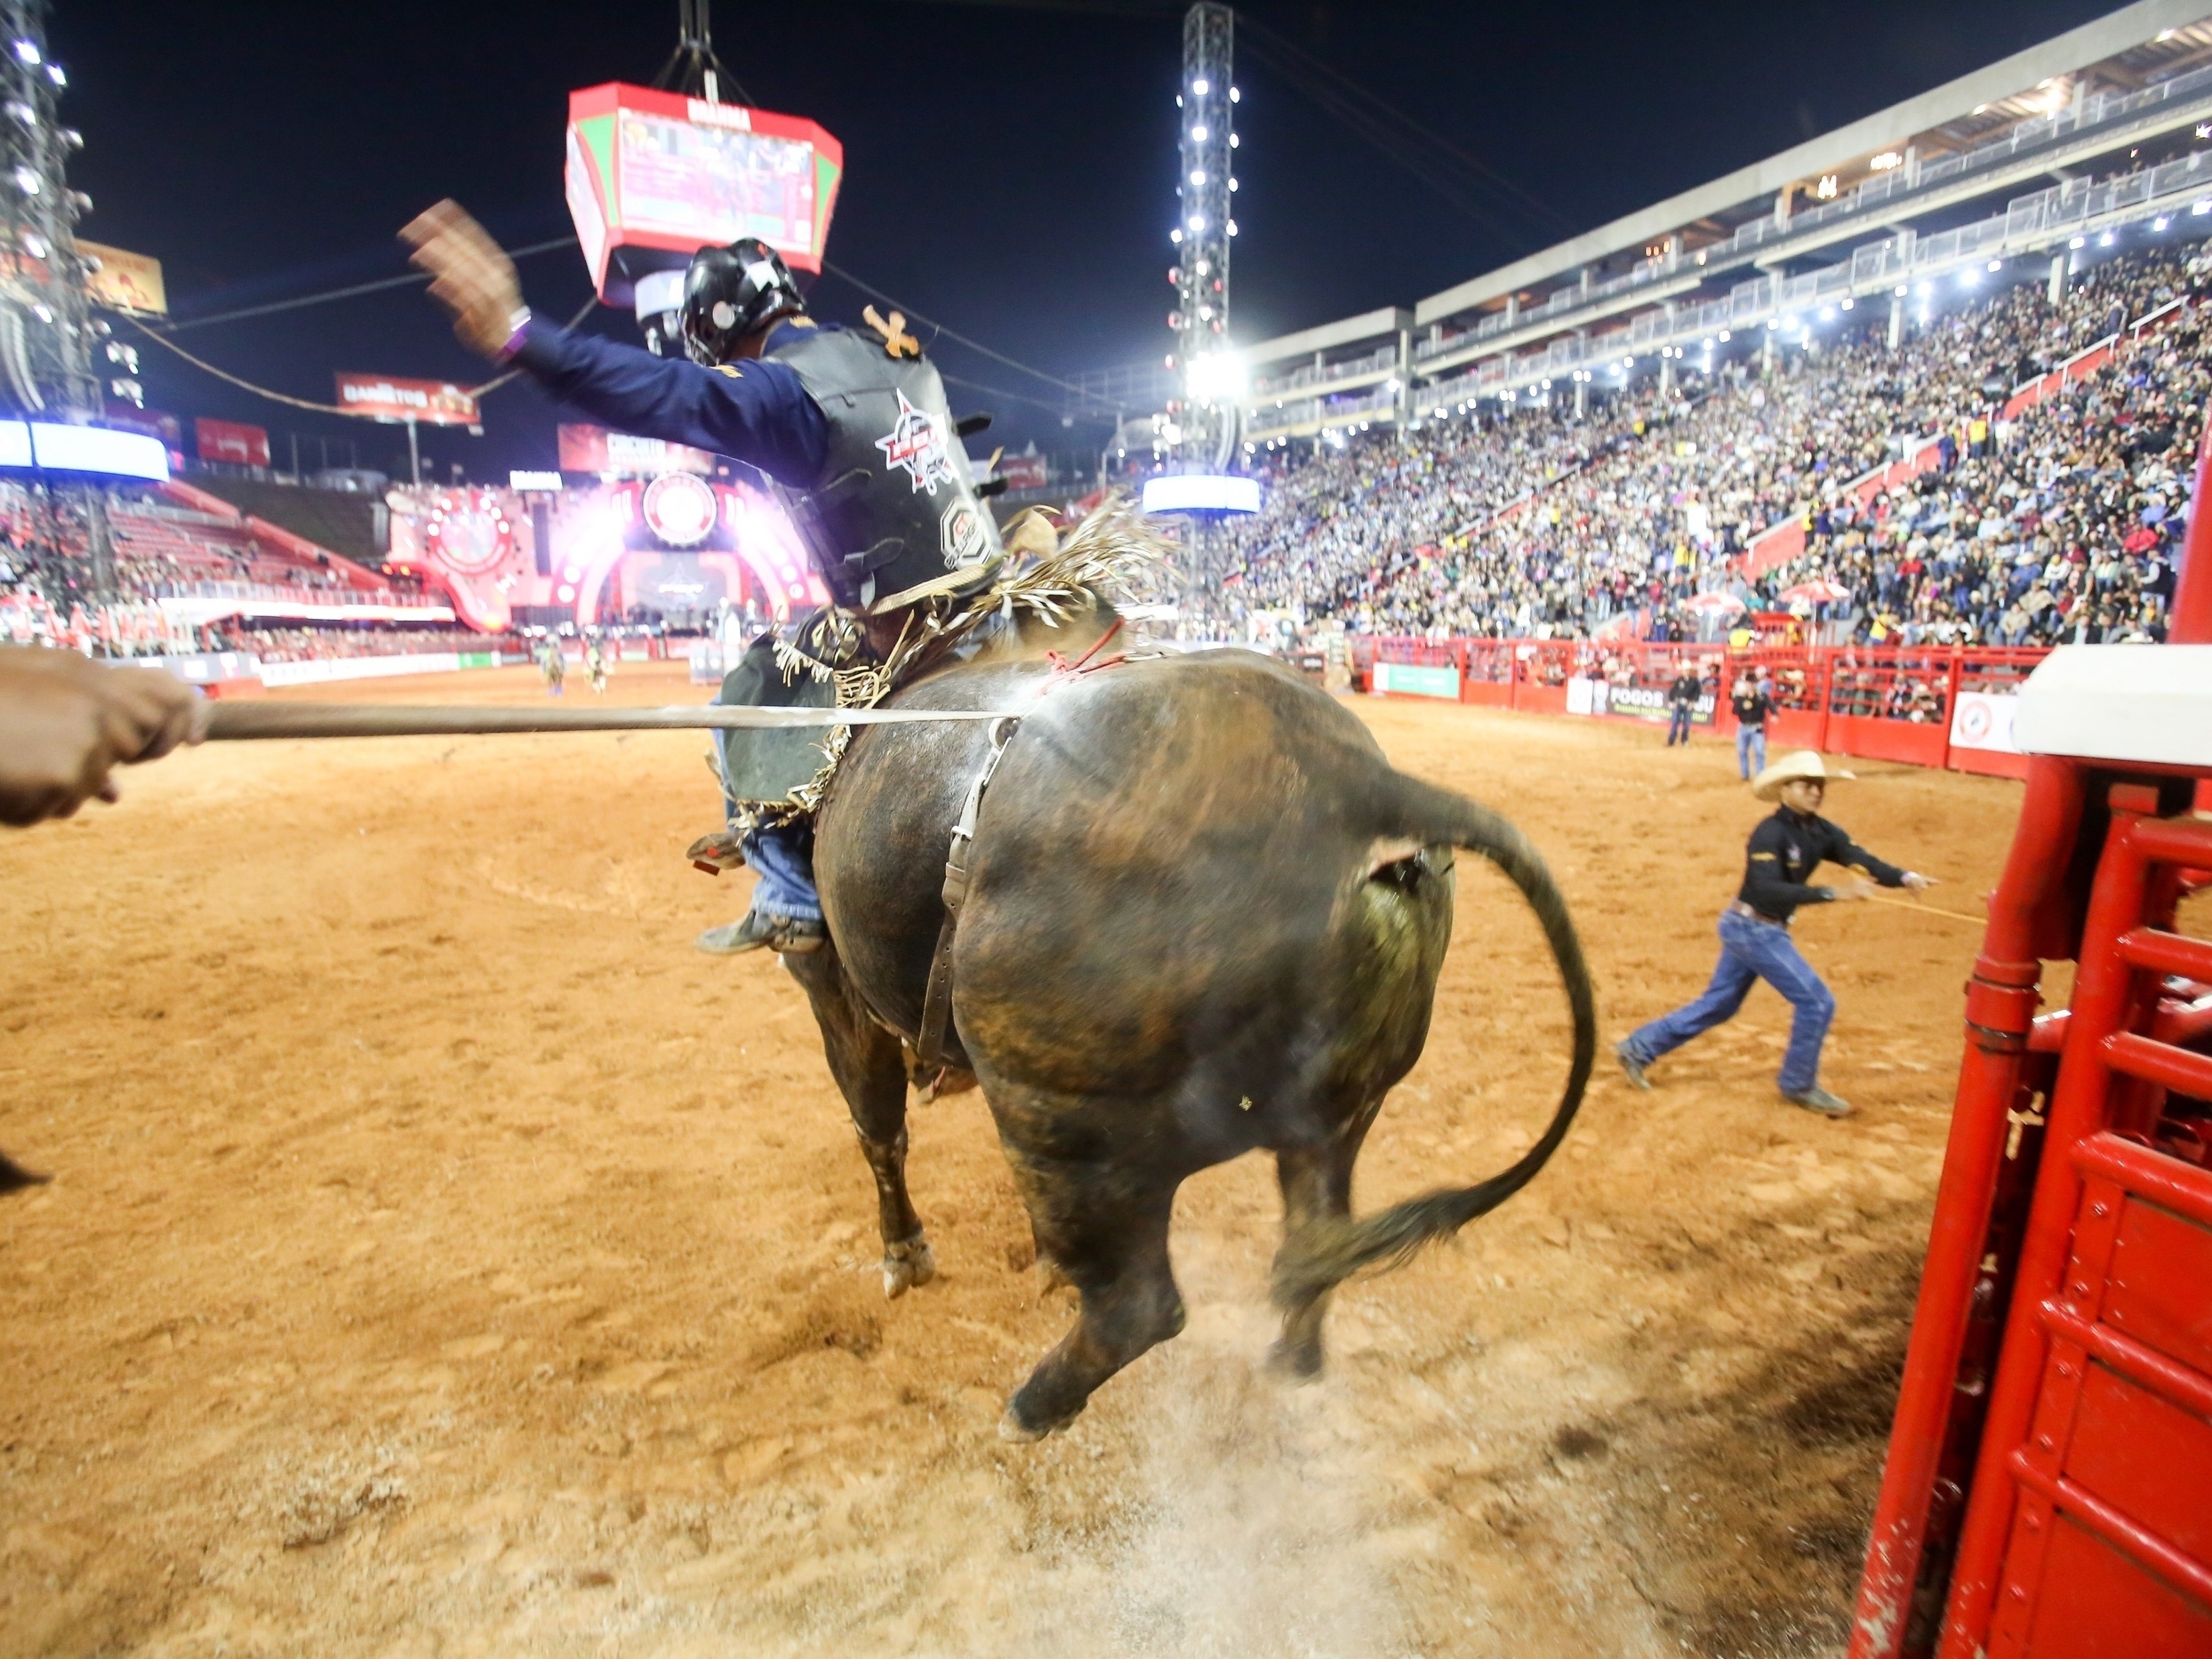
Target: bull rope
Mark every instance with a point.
(245, 721)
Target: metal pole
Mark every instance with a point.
(414, 456)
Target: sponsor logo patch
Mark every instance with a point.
(917, 445)
(961, 533)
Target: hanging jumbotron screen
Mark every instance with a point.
(652, 177)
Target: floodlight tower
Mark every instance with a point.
(47, 334)
(1202, 235)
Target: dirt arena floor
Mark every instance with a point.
(444, 1258)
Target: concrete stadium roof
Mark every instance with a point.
(1350, 332)
(2092, 42)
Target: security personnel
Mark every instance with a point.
(1755, 941)
(852, 430)
(1682, 704)
(1751, 703)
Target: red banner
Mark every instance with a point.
(1025, 472)
(231, 441)
(387, 398)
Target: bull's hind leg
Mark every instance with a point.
(871, 1073)
(1106, 1229)
(1316, 1194)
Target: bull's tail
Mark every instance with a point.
(1319, 1258)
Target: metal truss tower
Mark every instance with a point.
(1206, 103)
(49, 344)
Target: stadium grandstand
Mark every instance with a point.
(1936, 376)
(196, 577)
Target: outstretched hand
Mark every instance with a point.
(471, 276)
(66, 722)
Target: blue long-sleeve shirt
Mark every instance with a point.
(757, 412)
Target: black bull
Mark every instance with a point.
(1206, 916)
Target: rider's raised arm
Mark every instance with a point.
(754, 411)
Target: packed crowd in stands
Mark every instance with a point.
(162, 551)
(2060, 524)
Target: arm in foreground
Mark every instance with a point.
(66, 722)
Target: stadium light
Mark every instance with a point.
(1725, 336)
(2079, 242)
(27, 51)
(1235, 97)
(1201, 86)
(2105, 241)
(1827, 314)
(1998, 265)
(1198, 133)
(1175, 235)
(2204, 206)
(2159, 223)
(1901, 291)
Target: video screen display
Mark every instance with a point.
(715, 184)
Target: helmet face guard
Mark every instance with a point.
(732, 292)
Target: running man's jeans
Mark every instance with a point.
(1750, 750)
(783, 857)
(1751, 950)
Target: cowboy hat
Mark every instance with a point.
(1802, 764)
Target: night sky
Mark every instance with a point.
(1010, 168)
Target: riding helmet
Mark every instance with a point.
(728, 292)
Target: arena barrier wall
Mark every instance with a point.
(1943, 706)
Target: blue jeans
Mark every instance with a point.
(1750, 750)
(1678, 725)
(783, 857)
(1751, 950)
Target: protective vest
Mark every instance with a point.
(893, 516)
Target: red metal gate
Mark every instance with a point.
(2048, 1489)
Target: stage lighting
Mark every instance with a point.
(1198, 133)
(2079, 242)
(27, 51)
(1201, 86)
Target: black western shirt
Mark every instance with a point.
(1752, 708)
(1785, 850)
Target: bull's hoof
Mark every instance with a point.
(1014, 1429)
(1294, 1362)
(906, 1265)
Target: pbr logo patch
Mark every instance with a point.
(918, 444)
(961, 532)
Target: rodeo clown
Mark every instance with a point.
(853, 432)
(1755, 942)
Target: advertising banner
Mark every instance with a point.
(1409, 679)
(594, 449)
(124, 281)
(1025, 472)
(1649, 702)
(231, 441)
(1984, 720)
(388, 397)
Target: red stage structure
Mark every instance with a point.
(2049, 1488)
